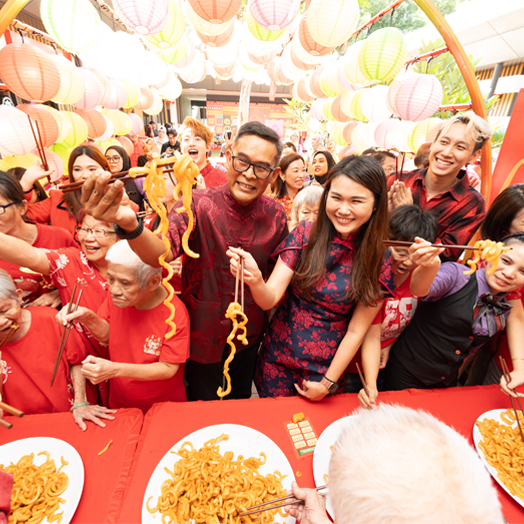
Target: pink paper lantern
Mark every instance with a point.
(136, 123)
(16, 137)
(384, 133)
(118, 96)
(394, 88)
(47, 124)
(93, 92)
(418, 97)
(145, 17)
(126, 144)
(29, 72)
(96, 123)
(316, 110)
(189, 56)
(216, 11)
(56, 164)
(274, 14)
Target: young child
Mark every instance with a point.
(412, 267)
(305, 206)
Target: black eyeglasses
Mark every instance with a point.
(241, 164)
(3, 208)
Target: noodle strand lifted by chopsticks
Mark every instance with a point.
(36, 490)
(211, 488)
(504, 450)
(490, 251)
(155, 188)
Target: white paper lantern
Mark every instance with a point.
(384, 133)
(401, 135)
(316, 109)
(374, 104)
(173, 90)
(274, 14)
(369, 134)
(419, 97)
(118, 95)
(93, 91)
(16, 137)
(332, 22)
(358, 138)
(72, 85)
(194, 72)
(350, 67)
(145, 17)
(189, 56)
(74, 24)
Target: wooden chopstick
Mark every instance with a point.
(404, 243)
(11, 410)
(5, 424)
(507, 376)
(39, 143)
(364, 385)
(242, 283)
(65, 332)
(123, 175)
(290, 499)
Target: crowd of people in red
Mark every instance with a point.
(323, 290)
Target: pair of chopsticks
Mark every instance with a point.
(6, 407)
(404, 243)
(75, 186)
(39, 143)
(240, 278)
(507, 377)
(398, 174)
(364, 385)
(290, 499)
(66, 330)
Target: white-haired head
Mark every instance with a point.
(7, 287)
(122, 255)
(395, 465)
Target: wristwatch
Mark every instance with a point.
(329, 384)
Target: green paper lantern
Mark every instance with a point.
(419, 134)
(336, 134)
(329, 81)
(326, 109)
(259, 32)
(133, 93)
(382, 54)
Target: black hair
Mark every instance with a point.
(18, 173)
(368, 151)
(172, 131)
(380, 156)
(126, 161)
(11, 189)
(330, 162)
(502, 212)
(518, 236)
(262, 131)
(410, 221)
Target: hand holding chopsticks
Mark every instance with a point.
(305, 496)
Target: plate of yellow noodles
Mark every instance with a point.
(501, 449)
(48, 476)
(215, 473)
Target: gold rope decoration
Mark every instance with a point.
(488, 250)
(185, 171)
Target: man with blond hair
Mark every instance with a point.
(444, 186)
(395, 465)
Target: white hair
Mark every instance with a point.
(7, 287)
(395, 465)
(310, 195)
(122, 254)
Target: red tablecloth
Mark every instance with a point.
(165, 424)
(105, 475)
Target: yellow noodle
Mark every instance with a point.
(213, 488)
(36, 489)
(488, 250)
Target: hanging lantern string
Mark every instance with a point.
(39, 143)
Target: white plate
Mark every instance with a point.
(14, 451)
(322, 455)
(242, 441)
(494, 414)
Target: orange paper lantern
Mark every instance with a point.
(29, 72)
(47, 124)
(336, 110)
(96, 123)
(216, 11)
(314, 83)
(309, 44)
(126, 144)
(147, 98)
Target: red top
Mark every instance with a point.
(68, 265)
(34, 284)
(52, 210)
(137, 337)
(208, 287)
(287, 203)
(213, 177)
(459, 210)
(27, 366)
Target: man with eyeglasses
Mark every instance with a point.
(236, 214)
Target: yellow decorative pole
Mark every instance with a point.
(468, 73)
(9, 11)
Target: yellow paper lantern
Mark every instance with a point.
(336, 134)
(332, 22)
(25, 161)
(189, 56)
(76, 129)
(172, 91)
(259, 32)
(383, 54)
(326, 109)
(74, 24)
(329, 82)
(419, 134)
(173, 30)
(133, 93)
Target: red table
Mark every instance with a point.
(105, 475)
(165, 424)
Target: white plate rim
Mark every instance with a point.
(322, 451)
(57, 448)
(477, 437)
(197, 438)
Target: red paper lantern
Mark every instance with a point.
(96, 123)
(29, 72)
(307, 41)
(47, 124)
(216, 11)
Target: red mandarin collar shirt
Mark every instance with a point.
(208, 287)
(459, 210)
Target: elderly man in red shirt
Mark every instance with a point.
(444, 186)
(236, 214)
(143, 367)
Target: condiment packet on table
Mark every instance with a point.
(302, 436)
